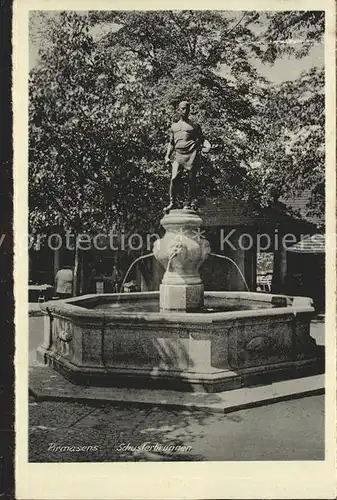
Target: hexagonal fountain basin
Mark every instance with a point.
(239, 338)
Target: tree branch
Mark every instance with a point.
(237, 24)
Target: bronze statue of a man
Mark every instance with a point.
(185, 145)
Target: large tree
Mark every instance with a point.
(87, 168)
(205, 57)
(292, 159)
(100, 112)
(100, 109)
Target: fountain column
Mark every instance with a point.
(181, 251)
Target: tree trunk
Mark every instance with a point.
(82, 277)
(76, 272)
(279, 271)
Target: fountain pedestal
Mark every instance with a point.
(181, 251)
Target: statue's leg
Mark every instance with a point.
(173, 190)
(175, 178)
(191, 193)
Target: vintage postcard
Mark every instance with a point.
(175, 237)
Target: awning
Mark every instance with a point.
(314, 244)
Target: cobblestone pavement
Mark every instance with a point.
(292, 430)
(64, 432)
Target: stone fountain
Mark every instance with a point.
(181, 337)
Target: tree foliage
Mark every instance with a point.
(87, 168)
(293, 33)
(292, 160)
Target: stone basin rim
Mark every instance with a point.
(259, 296)
(73, 308)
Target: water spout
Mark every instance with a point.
(174, 254)
(235, 264)
(168, 265)
(128, 271)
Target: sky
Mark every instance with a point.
(284, 69)
(289, 68)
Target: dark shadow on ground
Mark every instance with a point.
(292, 430)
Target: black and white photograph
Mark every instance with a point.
(177, 269)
